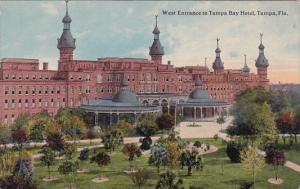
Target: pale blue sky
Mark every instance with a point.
(123, 29)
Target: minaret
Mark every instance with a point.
(261, 61)
(218, 65)
(66, 42)
(245, 69)
(156, 50)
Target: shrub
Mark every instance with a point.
(24, 168)
(69, 150)
(101, 159)
(146, 143)
(131, 150)
(233, 151)
(197, 144)
(167, 181)
(55, 141)
(140, 177)
(68, 167)
(84, 154)
(16, 182)
(165, 121)
(246, 185)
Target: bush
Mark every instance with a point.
(197, 144)
(246, 185)
(68, 167)
(24, 168)
(101, 159)
(165, 121)
(84, 154)
(140, 177)
(55, 141)
(146, 143)
(16, 182)
(233, 151)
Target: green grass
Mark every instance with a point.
(210, 178)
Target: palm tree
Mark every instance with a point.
(192, 159)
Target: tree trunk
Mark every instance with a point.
(295, 136)
(48, 171)
(189, 171)
(283, 138)
(276, 172)
(253, 180)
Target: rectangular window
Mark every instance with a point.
(20, 103)
(5, 104)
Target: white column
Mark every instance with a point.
(96, 118)
(194, 114)
(201, 112)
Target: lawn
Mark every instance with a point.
(210, 178)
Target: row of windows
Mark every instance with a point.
(27, 77)
(42, 90)
(34, 103)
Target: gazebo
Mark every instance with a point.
(123, 104)
(200, 106)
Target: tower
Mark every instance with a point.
(156, 50)
(262, 62)
(66, 42)
(218, 65)
(245, 69)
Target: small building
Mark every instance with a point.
(200, 106)
(123, 105)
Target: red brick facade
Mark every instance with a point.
(25, 88)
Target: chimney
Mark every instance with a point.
(45, 65)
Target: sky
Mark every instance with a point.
(124, 29)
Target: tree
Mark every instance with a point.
(221, 119)
(102, 159)
(71, 122)
(5, 135)
(165, 121)
(296, 122)
(158, 157)
(47, 158)
(276, 158)
(37, 126)
(167, 181)
(192, 159)
(234, 150)
(67, 168)
(285, 123)
(174, 153)
(69, 151)
(131, 150)
(112, 140)
(20, 137)
(56, 142)
(124, 127)
(255, 122)
(252, 162)
(140, 177)
(16, 182)
(146, 125)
